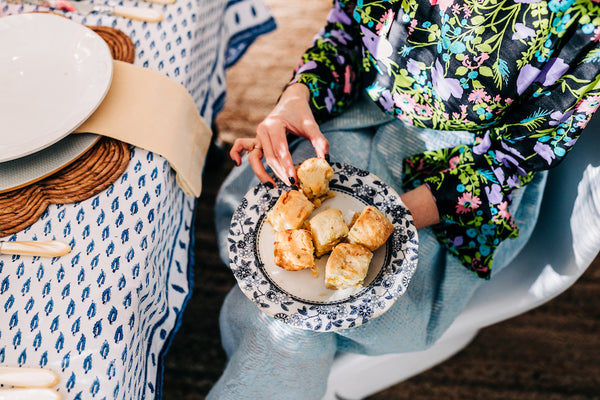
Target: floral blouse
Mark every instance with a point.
(522, 75)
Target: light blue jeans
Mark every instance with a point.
(270, 360)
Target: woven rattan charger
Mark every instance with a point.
(85, 177)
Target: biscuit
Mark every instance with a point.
(314, 175)
(371, 229)
(290, 211)
(347, 266)
(293, 250)
(328, 228)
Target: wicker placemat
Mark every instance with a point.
(83, 178)
(89, 175)
(121, 46)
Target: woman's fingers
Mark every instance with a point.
(238, 147)
(292, 114)
(255, 161)
(317, 139)
(275, 149)
(255, 149)
(271, 143)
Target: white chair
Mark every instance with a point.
(539, 274)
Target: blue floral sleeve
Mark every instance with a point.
(522, 75)
(332, 66)
(472, 185)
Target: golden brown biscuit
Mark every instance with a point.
(290, 211)
(314, 175)
(347, 266)
(371, 229)
(327, 228)
(293, 250)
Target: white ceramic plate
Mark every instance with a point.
(298, 297)
(55, 73)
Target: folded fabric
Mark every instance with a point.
(147, 109)
(585, 220)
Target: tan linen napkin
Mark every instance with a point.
(147, 109)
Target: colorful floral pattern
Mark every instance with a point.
(521, 74)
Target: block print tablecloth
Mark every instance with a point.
(103, 315)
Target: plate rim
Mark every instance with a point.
(85, 140)
(292, 303)
(105, 57)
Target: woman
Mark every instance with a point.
(459, 105)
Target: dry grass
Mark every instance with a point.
(255, 82)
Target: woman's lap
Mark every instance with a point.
(268, 359)
(437, 293)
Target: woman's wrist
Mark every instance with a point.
(421, 204)
(298, 90)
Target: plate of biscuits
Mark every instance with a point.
(332, 253)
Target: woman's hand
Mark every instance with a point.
(291, 114)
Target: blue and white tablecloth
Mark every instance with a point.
(103, 315)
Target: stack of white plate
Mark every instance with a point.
(55, 74)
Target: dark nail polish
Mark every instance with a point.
(269, 185)
(327, 158)
(292, 180)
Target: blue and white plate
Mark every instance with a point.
(299, 298)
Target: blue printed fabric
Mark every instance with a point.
(103, 315)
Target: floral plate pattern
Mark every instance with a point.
(299, 298)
